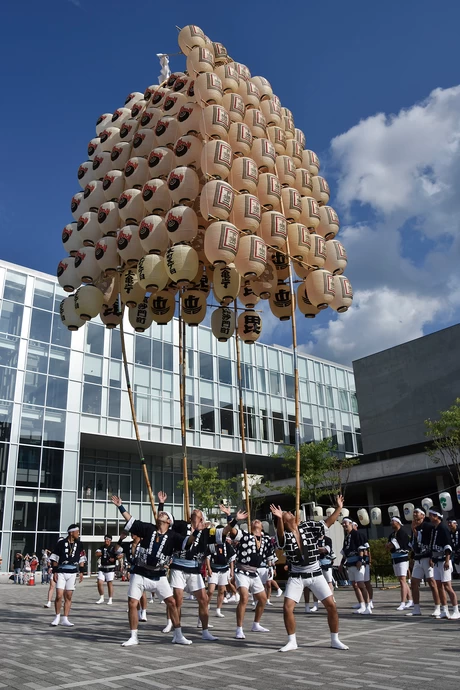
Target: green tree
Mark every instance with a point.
(209, 490)
(444, 435)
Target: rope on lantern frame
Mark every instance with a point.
(384, 505)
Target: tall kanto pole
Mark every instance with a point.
(182, 380)
(241, 412)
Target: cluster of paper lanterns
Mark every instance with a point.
(201, 187)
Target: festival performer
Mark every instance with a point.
(157, 544)
(220, 565)
(367, 572)
(441, 550)
(455, 541)
(423, 566)
(353, 558)
(67, 559)
(299, 541)
(398, 546)
(326, 561)
(108, 554)
(252, 550)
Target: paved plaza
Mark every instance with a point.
(388, 651)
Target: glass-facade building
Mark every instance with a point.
(66, 436)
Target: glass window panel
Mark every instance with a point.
(275, 383)
(6, 413)
(343, 401)
(189, 389)
(59, 361)
(348, 442)
(319, 390)
(87, 527)
(206, 393)
(204, 340)
(114, 402)
(34, 388)
(359, 442)
(288, 364)
(101, 486)
(312, 389)
(168, 354)
(99, 527)
(302, 364)
(136, 485)
(143, 408)
(15, 286)
(226, 422)
(56, 395)
(125, 485)
(25, 510)
(329, 396)
(206, 366)
(303, 391)
(93, 369)
(225, 370)
(43, 294)
(190, 416)
(54, 432)
(278, 427)
(7, 383)
(37, 357)
(262, 381)
(207, 418)
(9, 346)
(157, 354)
(51, 469)
(115, 346)
(156, 411)
(11, 318)
(249, 421)
(247, 377)
(60, 335)
(92, 397)
(40, 327)
(156, 382)
(264, 425)
(291, 427)
(168, 413)
(273, 359)
(95, 339)
(167, 383)
(289, 382)
(31, 425)
(354, 403)
(190, 363)
(143, 351)
(115, 374)
(28, 466)
(341, 378)
(225, 395)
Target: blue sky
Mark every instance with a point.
(353, 73)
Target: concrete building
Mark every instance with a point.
(66, 436)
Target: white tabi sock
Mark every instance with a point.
(256, 627)
(240, 634)
(66, 623)
(57, 619)
(291, 645)
(335, 642)
(109, 603)
(206, 635)
(168, 626)
(132, 640)
(178, 637)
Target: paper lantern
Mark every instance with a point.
(291, 204)
(216, 159)
(181, 223)
(215, 123)
(119, 116)
(294, 150)
(220, 53)
(264, 87)
(249, 326)
(156, 196)
(103, 122)
(204, 280)
(153, 235)
(162, 305)
(93, 195)
(317, 513)
(266, 285)
(69, 316)
(89, 229)
(305, 306)
(140, 317)
(269, 191)
(321, 191)
(131, 206)
(343, 294)
(193, 305)
(161, 161)
(240, 139)
(132, 293)
(67, 274)
(229, 78)
(234, 106)
(247, 213)
(150, 90)
(329, 223)
(408, 509)
(363, 517)
(302, 270)
(247, 296)
(317, 253)
(264, 154)
(183, 185)
(110, 288)
(216, 200)
(310, 213)
(174, 102)
(251, 257)
(188, 151)
(376, 516)
(137, 172)
(149, 120)
(88, 301)
(138, 107)
(111, 317)
(285, 112)
(158, 97)
(102, 163)
(281, 263)
(320, 287)
(189, 118)
(128, 130)
(171, 80)
(244, 175)
(445, 501)
(343, 514)
(208, 89)
(310, 161)
(249, 93)
(273, 229)
(106, 253)
(108, 138)
(198, 245)
(86, 173)
(120, 155)
(181, 263)
(243, 71)
(299, 241)
(281, 301)
(277, 136)
(271, 112)
(200, 60)
(132, 98)
(287, 124)
(226, 284)
(300, 137)
(303, 182)
(129, 244)
(166, 131)
(70, 239)
(336, 257)
(113, 185)
(427, 503)
(256, 122)
(182, 84)
(329, 511)
(393, 511)
(223, 323)
(108, 217)
(75, 205)
(286, 171)
(88, 268)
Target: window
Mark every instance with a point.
(9, 346)
(354, 403)
(49, 510)
(43, 294)
(59, 361)
(115, 347)
(54, 432)
(31, 425)
(115, 374)
(278, 427)
(359, 442)
(206, 366)
(320, 393)
(40, 327)
(189, 361)
(60, 335)
(11, 318)
(290, 386)
(157, 354)
(348, 442)
(206, 393)
(92, 398)
(207, 419)
(15, 286)
(143, 408)
(56, 395)
(264, 425)
(190, 416)
(28, 466)
(168, 357)
(343, 401)
(114, 402)
(37, 357)
(275, 383)
(291, 426)
(93, 369)
(25, 510)
(7, 383)
(34, 388)
(249, 422)
(262, 381)
(143, 354)
(329, 396)
(6, 413)
(247, 379)
(95, 339)
(226, 421)
(225, 370)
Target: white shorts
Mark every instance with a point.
(441, 575)
(422, 569)
(220, 579)
(252, 584)
(264, 574)
(355, 575)
(139, 584)
(191, 582)
(401, 569)
(105, 577)
(367, 573)
(328, 575)
(318, 586)
(66, 581)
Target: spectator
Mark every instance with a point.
(18, 563)
(45, 565)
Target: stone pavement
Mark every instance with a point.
(388, 651)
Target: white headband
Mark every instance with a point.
(354, 523)
(396, 519)
(432, 511)
(347, 520)
(74, 529)
(419, 510)
(169, 516)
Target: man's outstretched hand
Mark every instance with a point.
(162, 497)
(116, 500)
(276, 510)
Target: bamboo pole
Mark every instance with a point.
(182, 379)
(241, 412)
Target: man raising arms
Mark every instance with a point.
(67, 559)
